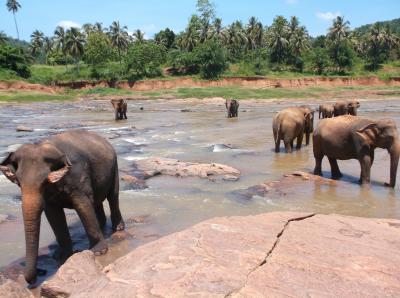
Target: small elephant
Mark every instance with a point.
(309, 124)
(120, 107)
(326, 111)
(351, 137)
(344, 107)
(289, 124)
(76, 170)
(232, 106)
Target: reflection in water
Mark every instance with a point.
(203, 135)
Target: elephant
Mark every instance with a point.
(232, 106)
(326, 110)
(76, 170)
(289, 124)
(309, 124)
(344, 107)
(120, 107)
(352, 137)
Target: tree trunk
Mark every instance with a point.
(16, 26)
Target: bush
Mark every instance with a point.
(211, 59)
(319, 60)
(342, 56)
(144, 60)
(97, 49)
(182, 62)
(15, 59)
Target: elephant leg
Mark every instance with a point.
(116, 115)
(335, 171)
(299, 141)
(288, 146)
(125, 115)
(277, 144)
(307, 138)
(85, 209)
(372, 154)
(113, 200)
(365, 163)
(318, 165)
(101, 216)
(56, 218)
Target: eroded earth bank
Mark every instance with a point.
(210, 209)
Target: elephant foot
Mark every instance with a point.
(120, 226)
(318, 172)
(337, 176)
(62, 255)
(41, 272)
(100, 248)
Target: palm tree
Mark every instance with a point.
(3, 37)
(235, 38)
(48, 44)
(191, 36)
(60, 42)
(299, 41)
(339, 31)
(74, 44)
(138, 36)
(14, 6)
(216, 31)
(278, 39)
(98, 27)
(119, 37)
(36, 42)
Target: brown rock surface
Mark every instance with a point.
(12, 289)
(277, 254)
(154, 166)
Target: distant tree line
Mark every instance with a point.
(206, 47)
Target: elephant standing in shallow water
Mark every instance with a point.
(290, 124)
(344, 107)
(232, 107)
(120, 107)
(326, 111)
(350, 137)
(76, 170)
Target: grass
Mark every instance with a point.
(30, 96)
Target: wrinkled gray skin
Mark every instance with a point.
(120, 107)
(344, 107)
(351, 137)
(309, 125)
(232, 106)
(326, 111)
(76, 170)
(290, 124)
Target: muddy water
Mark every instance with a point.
(171, 204)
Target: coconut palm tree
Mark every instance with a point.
(74, 44)
(339, 31)
(138, 36)
(98, 27)
(48, 44)
(3, 37)
(235, 38)
(278, 39)
(190, 38)
(119, 37)
(60, 42)
(216, 31)
(299, 41)
(14, 6)
(36, 42)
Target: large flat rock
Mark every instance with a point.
(276, 254)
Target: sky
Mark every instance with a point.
(153, 15)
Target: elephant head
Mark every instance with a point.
(383, 134)
(352, 107)
(34, 168)
(308, 118)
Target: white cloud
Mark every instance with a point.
(328, 16)
(291, 1)
(68, 24)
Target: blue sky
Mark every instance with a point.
(154, 15)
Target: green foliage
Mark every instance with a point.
(14, 59)
(97, 49)
(342, 56)
(166, 38)
(144, 60)
(182, 62)
(319, 60)
(211, 59)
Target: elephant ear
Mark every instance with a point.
(57, 175)
(8, 169)
(362, 130)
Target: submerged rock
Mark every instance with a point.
(24, 128)
(166, 166)
(134, 182)
(274, 254)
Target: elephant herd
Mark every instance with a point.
(339, 135)
(79, 170)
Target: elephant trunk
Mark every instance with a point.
(32, 207)
(394, 162)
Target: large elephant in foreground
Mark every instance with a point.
(351, 137)
(290, 124)
(120, 107)
(232, 107)
(75, 169)
(344, 107)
